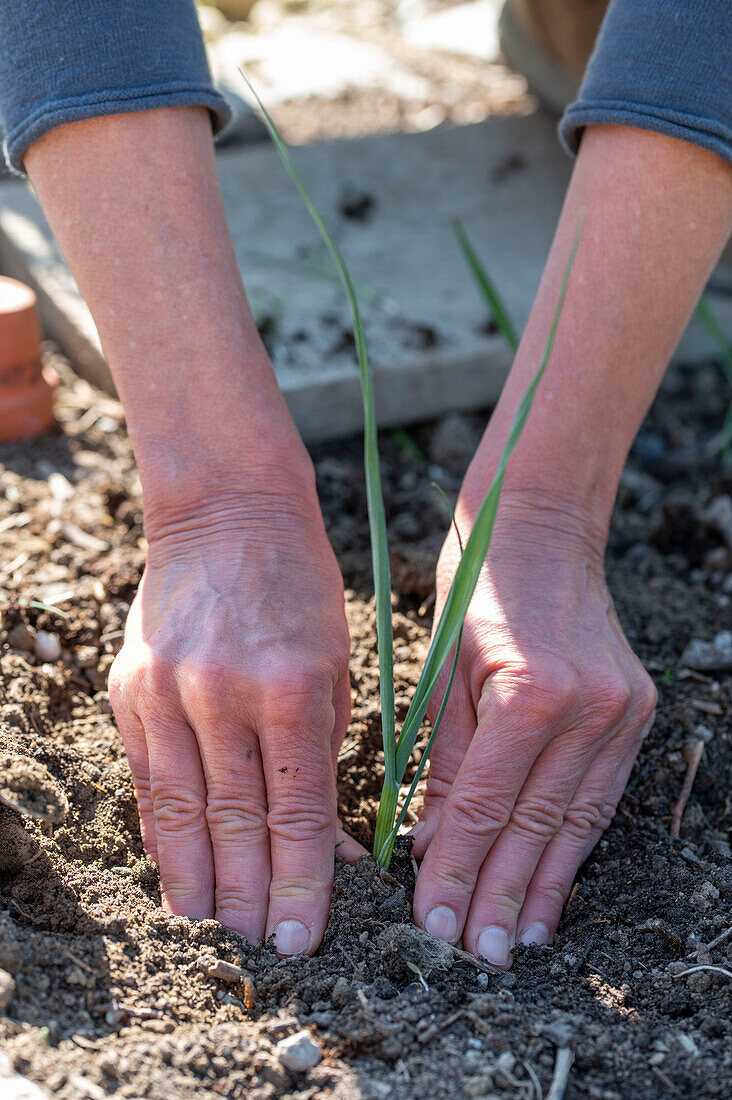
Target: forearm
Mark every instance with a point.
(657, 212)
(135, 204)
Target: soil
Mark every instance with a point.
(113, 997)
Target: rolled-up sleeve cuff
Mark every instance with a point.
(708, 133)
(59, 112)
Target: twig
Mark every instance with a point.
(474, 960)
(703, 966)
(562, 1066)
(666, 1080)
(720, 939)
(228, 972)
(693, 758)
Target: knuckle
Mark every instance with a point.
(536, 818)
(301, 820)
(612, 699)
(453, 879)
(206, 685)
(233, 901)
(550, 692)
(236, 818)
(551, 894)
(154, 678)
(506, 898)
(647, 694)
(177, 809)
(607, 815)
(474, 817)
(295, 695)
(143, 794)
(580, 820)
(180, 891)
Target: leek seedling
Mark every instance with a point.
(493, 300)
(446, 639)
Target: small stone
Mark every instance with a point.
(20, 1088)
(7, 990)
(506, 1061)
(713, 656)
(22, 637)
(704, 895)
(687, 1044)
(342, 992)
(299, 1052)
(61, 488)
(47, 646)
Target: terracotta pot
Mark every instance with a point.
(26, 389)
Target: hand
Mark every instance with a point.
(232, 695)
(547, 713)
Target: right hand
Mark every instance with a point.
(232, 695)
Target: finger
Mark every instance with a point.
(509, 738)
(616, 791)
(549, 802)
(133, 736)
(298, 768)
(178, 793)
(346, 847)
(591, 810)
(342, 709)
(236, 815)
(458, 727)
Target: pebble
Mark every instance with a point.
(298, 1053)
(47, 646)
(20, 1088)
(713, 656)
(7, 990)
(22, 637)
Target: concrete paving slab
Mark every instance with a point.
(389, 201)
(470, 29)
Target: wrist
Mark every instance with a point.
(542, 508)
(208, 480)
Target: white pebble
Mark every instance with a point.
(7, 990)
(20, 1088)
(298, 1052)
(47, 646)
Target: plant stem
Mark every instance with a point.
(385, 837)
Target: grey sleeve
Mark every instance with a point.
(66, 60)
(663, 65)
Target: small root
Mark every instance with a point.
(562, 1066)
(693, 757)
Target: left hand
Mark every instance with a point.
(547, 713)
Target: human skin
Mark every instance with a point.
(231, 689)
(550, 705)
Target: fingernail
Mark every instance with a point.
(493, 945)
(536, 933)
(416, 829)
(291, 937)
(441, 923)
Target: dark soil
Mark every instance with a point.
(113, 997)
